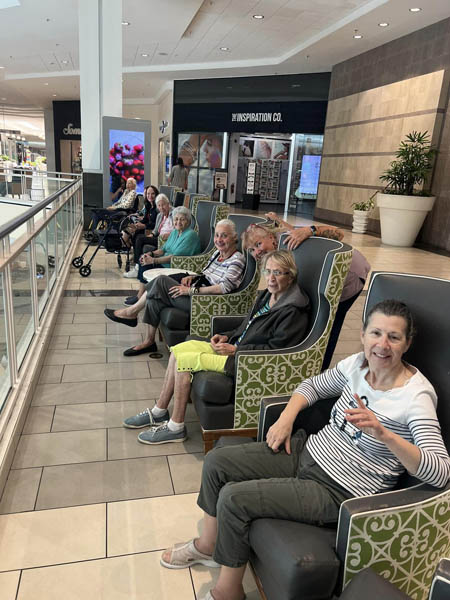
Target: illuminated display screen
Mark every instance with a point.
(126, 157)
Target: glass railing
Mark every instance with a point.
(34, 249)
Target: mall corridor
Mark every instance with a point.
(87, 510)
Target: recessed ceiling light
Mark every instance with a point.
(2, 67)
(383, 24)
(163, 53)
(65, 62)
(224, 48)
(258, 16)
(415, 9)
(45, 83)
(125, 23)
(295, 85)
(357, 36)
(54, 95)
(144, 55)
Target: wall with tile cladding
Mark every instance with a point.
(375, 99)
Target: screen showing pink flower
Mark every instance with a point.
(126, 157)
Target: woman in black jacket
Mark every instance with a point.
(278, 319)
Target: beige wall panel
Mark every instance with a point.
(340, 199)
(378, 136)
(354, 170)
(411, 95)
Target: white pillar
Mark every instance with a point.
(100, 46)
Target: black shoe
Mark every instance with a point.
(133, 352)
(130, 300)
(110, 314)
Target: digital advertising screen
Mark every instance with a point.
(126, 157)
(126, 150)
(309, 178)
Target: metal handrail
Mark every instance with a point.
(33, 210)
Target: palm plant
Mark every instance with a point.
(414, 162)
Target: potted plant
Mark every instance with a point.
(361, 214)
(403, 204)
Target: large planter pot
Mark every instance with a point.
(360, 220)
(401, 217)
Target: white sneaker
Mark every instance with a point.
(132, 273)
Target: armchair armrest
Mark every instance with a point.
(396, 533)
(311, 419)
(226, 323)
(191, 263)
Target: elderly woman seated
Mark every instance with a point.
(222, 275)
(125, 202)
(278, 319)
(148, 241)
(259, 239)
(383, 423)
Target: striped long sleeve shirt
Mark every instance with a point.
(228, 273)
(359, 462)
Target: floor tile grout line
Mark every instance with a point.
(91, 462)
(38, 488)
(170, 475)
(18, 584)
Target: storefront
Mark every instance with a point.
(271, 148)
(67, 131)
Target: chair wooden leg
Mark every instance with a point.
(211, 436)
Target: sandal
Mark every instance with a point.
(209, 596)
(185, 555)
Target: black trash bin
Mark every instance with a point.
(251, 201)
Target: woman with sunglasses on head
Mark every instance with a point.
(144, 219)
(278, 319)
(383, 423)
(260, 239)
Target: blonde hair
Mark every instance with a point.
(285, 259)
(262, 230)
(133, 180)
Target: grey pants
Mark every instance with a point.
(158, 298)
(247, 482)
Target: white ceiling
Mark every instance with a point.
(39, 41)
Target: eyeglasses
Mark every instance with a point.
(275, 272)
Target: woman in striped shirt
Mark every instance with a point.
(222, 275)
(383, 423)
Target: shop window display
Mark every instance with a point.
(201, 154)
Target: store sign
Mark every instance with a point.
(259, 117)
(71, 130)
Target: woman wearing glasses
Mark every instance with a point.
(383, 423)
(278, 319)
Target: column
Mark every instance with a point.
(100, 47)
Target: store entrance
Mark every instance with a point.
(280, 170)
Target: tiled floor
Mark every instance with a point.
(87, 509)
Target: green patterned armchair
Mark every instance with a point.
(401, 534)
(175, 326)
(231, 407)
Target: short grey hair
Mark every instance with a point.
(162, 198)
(231, 226)
(182, 210)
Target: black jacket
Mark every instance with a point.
(284, 325)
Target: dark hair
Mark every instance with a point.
(393, 308)
(180, 162)
(155, 189)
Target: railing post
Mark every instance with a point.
(9, 316)
(34, 294)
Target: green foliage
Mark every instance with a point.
(365, 205)
(413, 165)
(4, 157)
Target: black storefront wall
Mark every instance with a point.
(251, 117)
(67, 125)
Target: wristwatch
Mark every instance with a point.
(313, 230)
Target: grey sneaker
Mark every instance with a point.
(162, 435)
(144, 419)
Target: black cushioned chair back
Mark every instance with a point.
(241, 223)
(138, 202)
(429, 301)
(167, 190)
(440, 587)
(314, 258)
(179, 199)
(206, 212)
